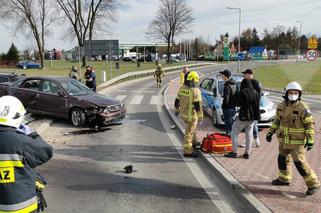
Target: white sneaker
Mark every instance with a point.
(257, 142)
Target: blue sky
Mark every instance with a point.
(211, 19)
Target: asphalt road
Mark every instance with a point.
(86, 173)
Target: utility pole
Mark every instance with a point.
(239, 37)
(298, 51)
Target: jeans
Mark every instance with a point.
(255, 130)
(229, 113)
(237, 128)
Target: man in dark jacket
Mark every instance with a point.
(21, 150)
(248, 74)
(229, 100)
(248, 101)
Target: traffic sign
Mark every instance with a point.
(313, 42)
(312, 55)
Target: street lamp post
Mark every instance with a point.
(298, 51)
(239, 37)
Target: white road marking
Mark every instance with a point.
(120, 90)
(137, 99)
(121, 97)
(142, 91)
(156, 100)
(212, 192)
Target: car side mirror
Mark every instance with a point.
(60, 93)
(214, 92)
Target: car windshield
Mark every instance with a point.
(75, 88)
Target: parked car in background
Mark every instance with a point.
(28, 65)
(67, 98)
(212, 91)
(11, 77)
(6, 79)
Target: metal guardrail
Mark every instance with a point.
(145, 73)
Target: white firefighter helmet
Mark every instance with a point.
(11, 111)
(293, 86)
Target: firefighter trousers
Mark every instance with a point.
(298, 157)
(190, 134)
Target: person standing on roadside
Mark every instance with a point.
(294, 127)
(93, 79)
(229, 100)
(159, 75)
(248, 101)
(248, 74)
(87, 76)
(188, 104)
(182, 76)
(74, 73)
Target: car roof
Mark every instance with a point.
(55, 78)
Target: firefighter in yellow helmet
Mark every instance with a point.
(159, 75)
(294, 128)
(21, 150)
(188, 104)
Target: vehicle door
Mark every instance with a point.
(27, 92)
(207, 93)
(52, 100)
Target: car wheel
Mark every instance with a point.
(214, 117)
(77, 117)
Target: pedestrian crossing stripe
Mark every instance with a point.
(120, 97)
(138, 99)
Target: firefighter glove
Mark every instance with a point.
(268, 137)
(309, 144)
(24, 129)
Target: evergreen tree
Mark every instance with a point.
(13, 54)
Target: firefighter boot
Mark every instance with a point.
(311, 191)
(278, 182)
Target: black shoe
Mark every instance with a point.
(246, 156)
(311, 191)
(231, 155)
(192, 155)
(278, 182)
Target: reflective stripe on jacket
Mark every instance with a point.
(187, 96)
(19, 154)
(181, 79)
(293, 123)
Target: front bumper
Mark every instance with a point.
(104, 119)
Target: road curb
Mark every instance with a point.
(249, 201)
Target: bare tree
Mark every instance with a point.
(87, 17)
(29, 16)
(173, 18)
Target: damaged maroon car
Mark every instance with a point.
(69, 99)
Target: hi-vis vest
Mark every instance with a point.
(293, 123)
(187, 96)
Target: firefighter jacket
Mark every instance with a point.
(293, 124)
(159, 72)
(19, 154)
(189, 103)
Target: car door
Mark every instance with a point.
(207, 93)
(50, 102)
(26, 92)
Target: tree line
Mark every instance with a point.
(279, 38)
